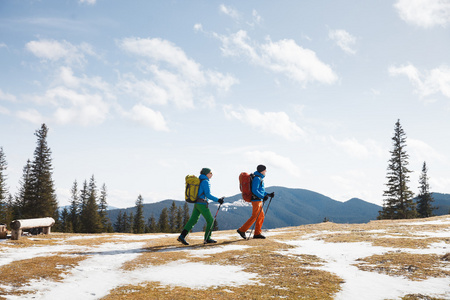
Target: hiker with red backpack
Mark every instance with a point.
(201, 208)
(258, 196)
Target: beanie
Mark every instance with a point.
(205, 171)
(260, 168)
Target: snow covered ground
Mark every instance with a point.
(102, 270)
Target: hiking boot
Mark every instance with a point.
(182, 240)
(209, 241)
(242, 234)
(259, 236)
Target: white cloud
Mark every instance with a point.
(90, 2)
(31, 115)
(148, 117)
(256, 17)
(421, 151)
(166, 52)
(432, 82)
(284, 56)
(269, 159)
(198, 27)
(424, 13)
(174, 77)
(7, 97)
(4, 110)
(277, 123)
(74, 107)
(229, 11)
(357, 149)
(51, 50)
(3, 45)
(343, 39)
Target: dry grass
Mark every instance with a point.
(420, 297)
(411, 266)
(22, 272)
(278, 275)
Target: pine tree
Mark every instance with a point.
(398, 203)
(139, 223)
(152, 225)
(118, 226)
(24, 199)
(102, 207)
(75, 207)
(173, 217)
(66, 222)
(424, 207)
(90, 219)
(3, 188)
(129, 223)
(9, 211)
(163, 222)
(43, 202)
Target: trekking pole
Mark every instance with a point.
(268, 205)
(214, 221)
(254, 225)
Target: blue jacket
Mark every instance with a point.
(258, 186)
(204, 191)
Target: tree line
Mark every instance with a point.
(399, 199)
(170, 220)
(36, 197)
(87, 212)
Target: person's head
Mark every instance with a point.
(261, 169)
(207, 172)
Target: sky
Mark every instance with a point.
(140, 94)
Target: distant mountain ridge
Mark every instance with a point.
(289, 207)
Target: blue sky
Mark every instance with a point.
(142, 93)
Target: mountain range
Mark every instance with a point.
(289, 207)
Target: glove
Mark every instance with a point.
(265, 197)
(221, 200)
(271, 194)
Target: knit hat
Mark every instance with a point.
(260, 168)
(205, 171)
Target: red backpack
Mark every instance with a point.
(245, 185)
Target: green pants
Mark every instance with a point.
(206, 213)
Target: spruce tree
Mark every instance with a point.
(424, 200)
(43, 202)
(118, 225)
(129, 223)
(163, 222)
(75, 207)
(66, 222)
(152, 224)
(398, 202)
(90, 219)
(23, 201)
(102, 210)
(173, 217)
(3, 188)
(139, 223)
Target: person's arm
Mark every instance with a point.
(207, 191)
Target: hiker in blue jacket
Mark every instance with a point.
(201, 208)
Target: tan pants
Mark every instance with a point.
(257, 209)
